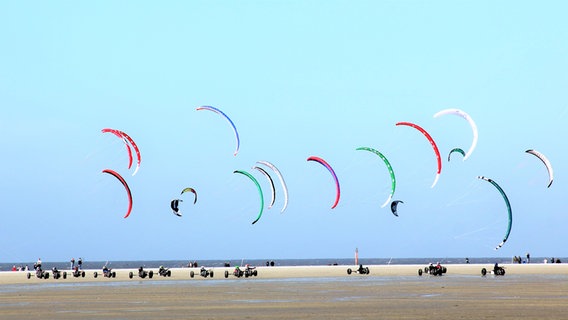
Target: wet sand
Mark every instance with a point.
(390, 292)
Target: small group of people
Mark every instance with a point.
(79, 264)
(519, 259)
(20, 268)
(192, 264)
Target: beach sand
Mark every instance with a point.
(534, 291)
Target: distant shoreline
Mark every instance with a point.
(87, 264)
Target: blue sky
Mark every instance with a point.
(299, 79)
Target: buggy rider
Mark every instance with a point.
(105, 270)
(496, 267)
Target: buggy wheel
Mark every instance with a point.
(367, 270)
(82, 274)
(192, 274)
(130, 274)
(150, 274)
(114, 274)
(64, 274)
(419, 272)
(46, 275)
(211, 273)
(169, 273)
(29, 275)
(483, 271)
(95, 274)
(255, 273)
(349, 271)
(226, 274)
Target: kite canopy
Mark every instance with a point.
(284, 188)
(472, 124)
(192, 191)
(129, 194)
(434, 146)
(458, 150)
(547, 164)
(128, 142)
(509, 211)
(325, 164)
(219, 112)
(259, 192)
(175, 207)
(389, 167)
(119, 135)
(271, 182)
(394, 206)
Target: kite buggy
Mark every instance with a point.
(39, 273)
(78, 273)
(497, 271)
(142, 273)
(164, 272)
(360, 270)
(107, 273)
(247, 272)
(435, 270)
(203, 272)
(58, 274)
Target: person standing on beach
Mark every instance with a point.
(80, 263)
(528, 257)
(72, 263)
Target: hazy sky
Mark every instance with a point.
(299, 79)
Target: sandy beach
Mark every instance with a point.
(315, 292)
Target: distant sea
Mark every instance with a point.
(6, 266)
